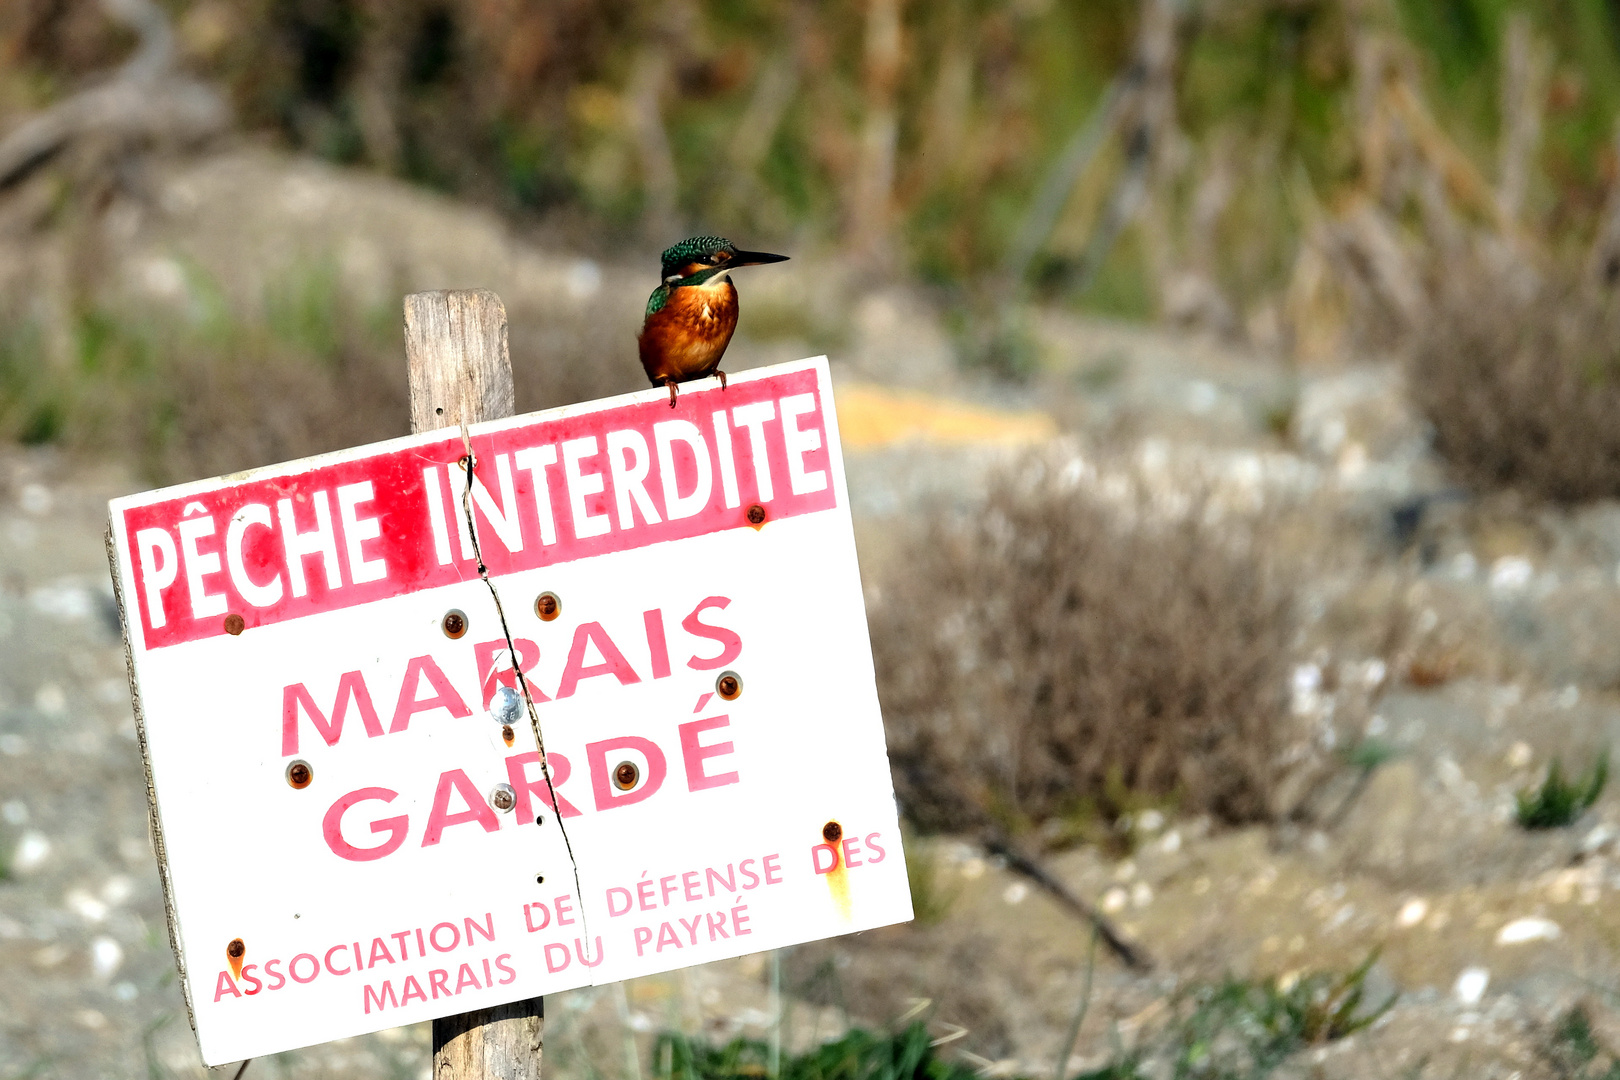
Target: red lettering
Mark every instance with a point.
(439, 982)
(328, 959)
(485, 929)
(332, 828)
(695, 754)
(223, 985)
(613, 662)
(377, 947)
(465, 978)
(270, 970)
(730, 643)
(484, 654)
(314, 967)
(501, 962)
(712, 878)
(351, 687)
(441, 818)
(643, 937)
(832, 856)
(656, 645)
(517, 773)
(579, 950)
(528, 919)
(383, 997)
(455, 936)
(412, 988)
(875, 854)
(852, 848)
(247, 975)
(557, 956)
(444, 695)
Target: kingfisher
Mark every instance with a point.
(693, 312)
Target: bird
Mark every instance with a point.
(693, 312)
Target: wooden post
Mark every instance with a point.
(461, 373)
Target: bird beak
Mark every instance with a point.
(756, 258)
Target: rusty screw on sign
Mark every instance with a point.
(625, 775)
(547, 606)
(454, 623)
(299, 774)
(234, 953)
(756, 515)
(502, 797)
(235, 624)
(832, 832)
(729, 685)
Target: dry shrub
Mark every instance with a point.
(182, 398)
(1050, 653)
(1520, 377)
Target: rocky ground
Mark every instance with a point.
(1471, 640)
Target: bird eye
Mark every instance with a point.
(722, 256)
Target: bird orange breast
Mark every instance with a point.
(687, 336)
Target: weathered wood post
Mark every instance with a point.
(461, 373)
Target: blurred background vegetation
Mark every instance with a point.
(916, 137)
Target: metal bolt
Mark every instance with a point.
(506, 706)
(547, 606)
(235, 624)
(832, 832)
(506, 735)
(502, 797)
(299, 774)
(756, 515)
(236, 950)
(625, 775)
(729, 685)
(454, 623)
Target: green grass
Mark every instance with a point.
(1239, 1029)
(182, 393)
(1559, 802)
(1232, 1030)
(931, 898)
(858, 1055)
(1574, 1050)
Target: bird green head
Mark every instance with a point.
(704, 258)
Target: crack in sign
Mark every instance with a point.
(517, 668)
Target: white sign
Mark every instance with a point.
(317, 658)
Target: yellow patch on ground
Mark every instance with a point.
(871, 417)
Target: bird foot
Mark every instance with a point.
(722, 376)
(672, 393)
